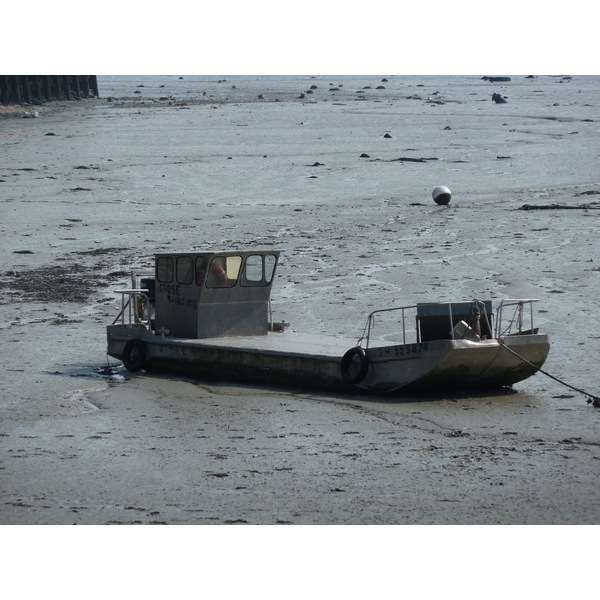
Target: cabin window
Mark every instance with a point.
(259, 269)
(200, 269)
(185, 270)
(223, 271)
(270, 262)
(164, 269)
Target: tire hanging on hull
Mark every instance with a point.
(348, 359)
(134, 355)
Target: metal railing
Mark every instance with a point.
(515, 322)
(136, 304)
(518, 316)
(371, 322)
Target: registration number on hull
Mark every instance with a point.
(402, 350)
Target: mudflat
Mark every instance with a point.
(337, 173)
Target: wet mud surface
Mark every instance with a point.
(92, 190)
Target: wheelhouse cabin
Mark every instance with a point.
(198, 295)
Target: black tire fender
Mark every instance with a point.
(137, 348)
(348, 358)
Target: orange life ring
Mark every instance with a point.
(220, 274)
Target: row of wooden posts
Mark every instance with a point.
(37, 89)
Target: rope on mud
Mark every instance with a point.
(593, 400)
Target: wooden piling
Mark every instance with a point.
(38, 89)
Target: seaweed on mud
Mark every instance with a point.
(73, 282)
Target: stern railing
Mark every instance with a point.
(517, 318)
(516, 321)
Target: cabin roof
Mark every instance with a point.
(216, 253)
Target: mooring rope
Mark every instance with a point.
(593, 400)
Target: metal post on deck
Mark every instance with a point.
(129, 303)
(531, 315)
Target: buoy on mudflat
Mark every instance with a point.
(441, 195)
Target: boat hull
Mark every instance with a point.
(309, 361)
(276, 359)
(455, 364)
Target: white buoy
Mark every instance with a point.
(441, 195)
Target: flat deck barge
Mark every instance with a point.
(208, 315)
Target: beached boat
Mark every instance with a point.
(208, 315)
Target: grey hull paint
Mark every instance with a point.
(309, 361)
